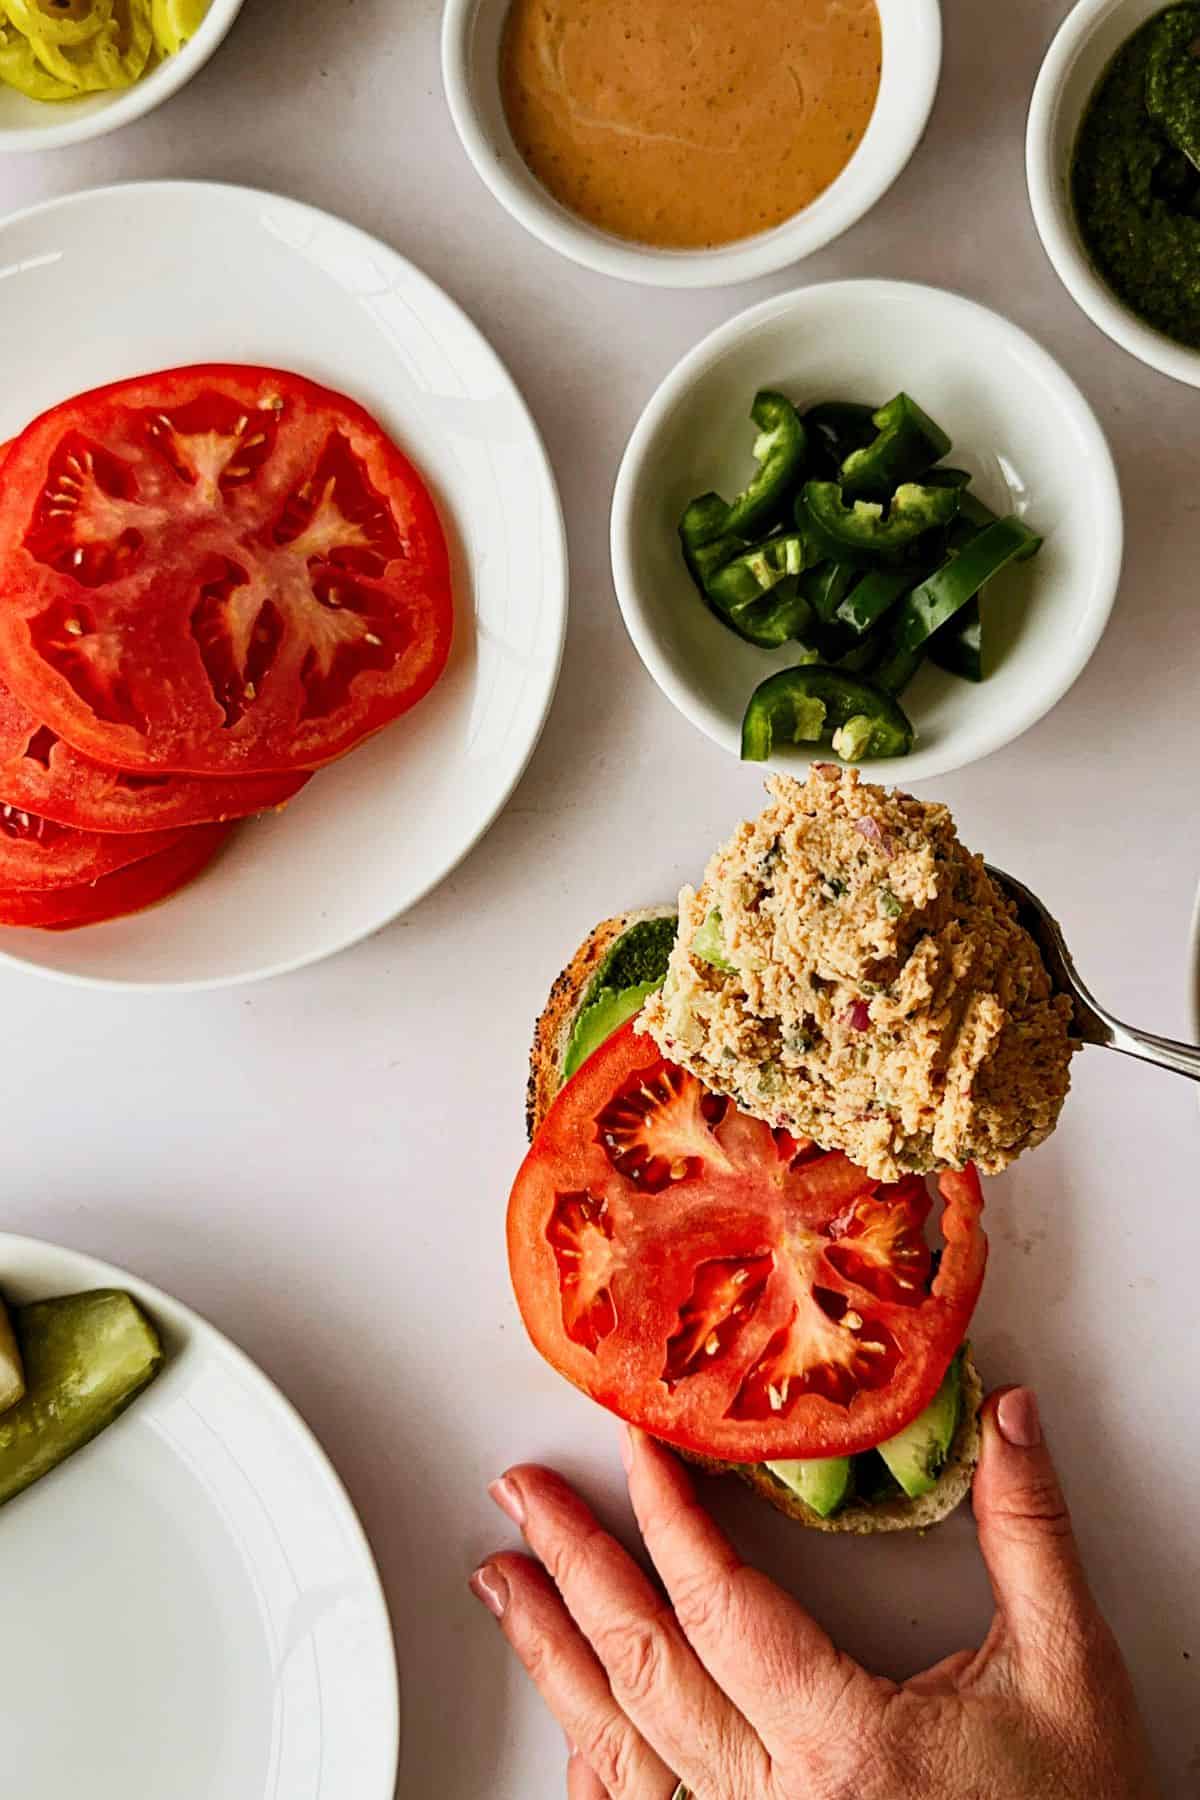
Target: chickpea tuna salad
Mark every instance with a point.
(849, 971)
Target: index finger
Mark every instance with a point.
(654, 1675)
(760, 1646)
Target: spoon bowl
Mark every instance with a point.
(1091, 1023)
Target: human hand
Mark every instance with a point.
(728, 1685)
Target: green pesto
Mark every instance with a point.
(1173, 80)
(1135, 189)
(639, 955)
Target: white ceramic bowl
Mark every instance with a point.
(912, 57)
(1087, 41)
(49, 125)
(221, 273)
(1018, 423)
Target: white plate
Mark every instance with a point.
(1018, 423)
(106, 284)
(190, 1608)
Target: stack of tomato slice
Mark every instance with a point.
(213, 581)
(735, 1293)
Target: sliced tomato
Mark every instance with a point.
(710, 1280)
(129, 890)
(42, 775)
(218, 570)
(40, 854)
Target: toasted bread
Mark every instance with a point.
(550, 1039)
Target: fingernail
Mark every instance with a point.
(489, 1586)
(504, 1493)
(1018, 1418)
(626, 1442)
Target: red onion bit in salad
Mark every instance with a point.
(857, 1016)
(874, 833)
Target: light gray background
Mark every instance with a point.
(320, 1165)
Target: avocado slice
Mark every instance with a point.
(599, 1020)
(635, 967)
(822, 1483)
(709, 943)
(86, 1357)
(917, 1455)
(12, 1374)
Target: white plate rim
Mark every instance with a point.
(558, 582)
(190, 1325)
(920, 765)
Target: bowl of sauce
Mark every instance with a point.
(1113, 162)
(690, 146)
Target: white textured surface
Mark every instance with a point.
(320, 1165)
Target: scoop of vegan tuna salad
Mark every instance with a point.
(849, 971)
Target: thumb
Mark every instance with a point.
(1025, 1529)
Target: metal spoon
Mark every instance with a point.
(1090, 1022)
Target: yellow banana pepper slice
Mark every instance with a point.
(59, 21)
(58, 49)
(20, 69)
(113, 57)
(175, 21)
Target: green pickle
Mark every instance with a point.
(12, 1374)
(86, 1357)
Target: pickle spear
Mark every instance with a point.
(86, 1357)
(12, 1378)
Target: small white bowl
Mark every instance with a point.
(1088, 39)
(912, 59)
(51, 124)
(1018, 423)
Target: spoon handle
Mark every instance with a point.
(1183, 1059)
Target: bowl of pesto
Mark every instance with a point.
(1113, 162)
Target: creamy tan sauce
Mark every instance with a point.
(688, 123)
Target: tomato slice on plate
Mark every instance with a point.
(129, 890)
(40, 774)
(218, 570)
(707, 1280)
(40, 854)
